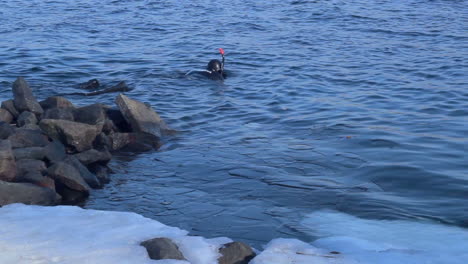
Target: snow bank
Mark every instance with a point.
(68, 234)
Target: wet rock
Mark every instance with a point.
(10, 107)
(78, 135)
(235, 253)
(26, 193)
(55, 151)
(101, 172)
(26, 118)
(90, 178)
(6, 130)
(141, 117)
(136, 142)
(36, 153)
(7, 161)
(24, 138)
(70, 196)
(92, 84)
(25, 166)
(5, 116)
(69, 176)
(56, 102)
(120, 87)
(59, 113)
(92, 115)
(118, 120)
(24, 99)
(102, 142)
(92, 156)
(162, 248)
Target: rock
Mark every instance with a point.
(92, 115)
(5, 116)
(140, 116)
(10, 107)
(25, 166)
(137, 142)
(26, 193)
(119, 140)
(70, 196)
(92, 84)
(24, 138)
(101, 172)
(235, 253)
(45, 182)
(162, 248)
(69, 176)
(92, 156)
(118, 121)
(77, 135)
(102, 142)
(90, 178)
(38, 179)
(56, 102)
(24, 99)
(36, 153)
(59, 113)
(7, 161)
(55, 151)
(26, 118)
(5, 130)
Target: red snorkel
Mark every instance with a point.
(221, 50)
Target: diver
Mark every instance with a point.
(214, 69)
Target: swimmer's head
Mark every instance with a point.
(214, 66)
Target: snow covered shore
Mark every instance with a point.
(69, 234)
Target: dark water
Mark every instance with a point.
(356, 106)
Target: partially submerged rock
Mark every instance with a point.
(92, 156)
(85, 174)
(162, 248)
(24, 99)
(92, 84)
(69, 176)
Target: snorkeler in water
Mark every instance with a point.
(214, 69)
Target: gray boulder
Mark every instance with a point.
(55, 151)
(78, 135)
(141, 117)
(10, 107)
(36, 153)
(23, 98)
(59, 113)
(5, 116)
(235, 253)
(94, 114)
(26, 193)
(162, 248)
(92, 156)
(85, 174)
(137, 142)
(7, 161)
(24, 138)
(68, 176)
(25, 166)
(26, 118)
(56, 102)
(6, 130)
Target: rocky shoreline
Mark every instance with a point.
(53, 152)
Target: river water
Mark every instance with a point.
(354, 106)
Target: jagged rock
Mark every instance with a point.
(69, 176)
(235, 253)
(56, 102)
(92, 115)
(118, 121)
(25, 166)
(26, 193)
(101, 172)
(59, 113)
(36, 153)
(26, 118)
(78, 135)
(55, 151)
(24, 99)
(5, 116)
(92, 156)
(7, 161)
(90, 178)
(6, 130)
(92, 84)
(10, 107)
(140, 116)
(162, 248)
(137, 142)
(23, 138)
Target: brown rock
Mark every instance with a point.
(78, 135)
(235, 253)
(23, 98)
(7, 161)
(162, 248)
